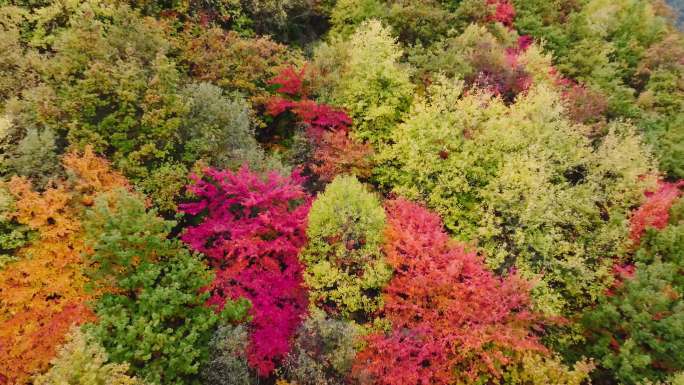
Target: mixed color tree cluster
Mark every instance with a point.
(341, 192)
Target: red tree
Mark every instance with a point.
(252, 230)
(655, 212)
(450, 315)
(504, 12)
(327, 128)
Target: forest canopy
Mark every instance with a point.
(341, 192)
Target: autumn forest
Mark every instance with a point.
(341, 192)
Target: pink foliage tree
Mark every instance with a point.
(506, 78)
(251, 231)
(504, 12)
(450, 315)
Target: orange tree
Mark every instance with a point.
(43, 293)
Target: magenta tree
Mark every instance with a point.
(251, 230)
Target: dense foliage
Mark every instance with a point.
(44, 291)
(636, 330)
(345, 269)
(251, 231)
(82, 361)
(329, 192)
(155, 319)
(452, 319)
(538, 195)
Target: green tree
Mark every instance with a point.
(345, 269)
(364, 76)
(156, 319)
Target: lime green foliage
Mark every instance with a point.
(323, 351)
(157, 320)
(82, 361)
(637, 332)
(536, 369)
(364, 76)
(345, 270)
(524, 183)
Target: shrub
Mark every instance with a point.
(107, 82)
(480, 58)
(12, 234)
(217, 128)
(422, 22)
(227, 364)
(337, 154)
(453, 321)
(597, 42)
(326, 128)
(16, 70)
(251, 231)
(345, 270)
(655, 211)
(323, 351)
(414, 22)
(524, 182)
(164, 185)
(536, 369)
(662, 99)
(35, 157)
(232, 62)
(82, 361)
(347, 15)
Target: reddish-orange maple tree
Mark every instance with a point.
(452, 319)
